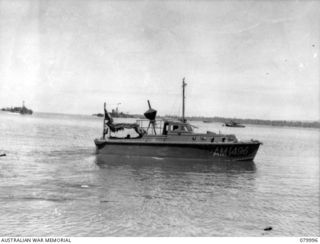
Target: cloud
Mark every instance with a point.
(83, 52)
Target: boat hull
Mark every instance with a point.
(240, 151)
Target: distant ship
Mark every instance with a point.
(207, 121)
(233, 124)
(98, 115)
(21, 110)
(116, 114)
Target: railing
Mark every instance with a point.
(151, 126)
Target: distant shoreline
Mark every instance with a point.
(288, 123)
(283, 123)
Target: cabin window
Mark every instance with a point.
(165, 129)
(178, 128)
(223, 139)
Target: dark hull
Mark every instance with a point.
(229, 151)
(238, 126)
(28, 111)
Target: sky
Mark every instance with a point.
(243, 59)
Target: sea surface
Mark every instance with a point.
(51, 184)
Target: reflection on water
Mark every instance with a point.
(172, 165)
(178, 196)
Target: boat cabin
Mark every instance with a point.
(165, 127)
(167, 130)
(176, 128)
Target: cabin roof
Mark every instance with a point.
(175, 122)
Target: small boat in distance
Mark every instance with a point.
(207, 121)
(21, 110)
(170, 139)
(233, 124)
(98, 115)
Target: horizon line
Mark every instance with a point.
(189, 116)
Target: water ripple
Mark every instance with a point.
(53, 184)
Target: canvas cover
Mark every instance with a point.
(114, 127)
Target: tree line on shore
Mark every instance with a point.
(306, 124)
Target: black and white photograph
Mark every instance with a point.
(158, 118)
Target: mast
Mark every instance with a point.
(183, 99)
(104, 121)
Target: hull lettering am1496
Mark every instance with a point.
(220, 151)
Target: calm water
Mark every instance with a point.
(51, 185)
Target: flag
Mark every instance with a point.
(107, 117)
